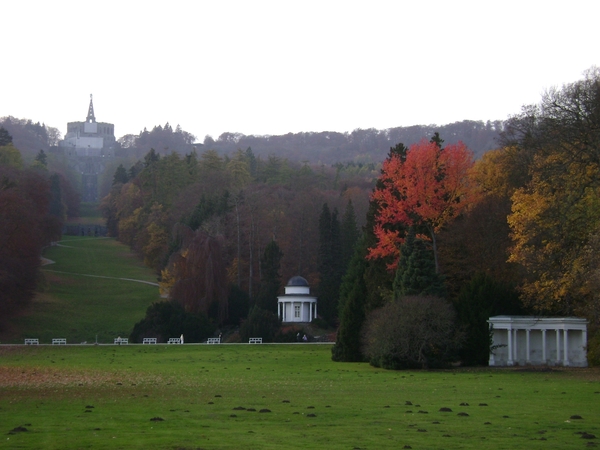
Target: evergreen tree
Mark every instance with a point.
(270, 282)
(5, 137)
(57, 207)
(353, 295)
(416, 274)
(120, 175)
(41, 160)
(330, 263)
(349, 235)
(480, 299)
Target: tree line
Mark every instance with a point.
(224, 233)
(34, 202)
(450, 241)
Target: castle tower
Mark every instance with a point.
(88, 145)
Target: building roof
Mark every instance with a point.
(297, 281)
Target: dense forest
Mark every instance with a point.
(420, 243)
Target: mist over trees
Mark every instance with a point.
(361, 145)
(30, 137)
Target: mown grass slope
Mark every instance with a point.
(86, 295)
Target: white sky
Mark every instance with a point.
(272, 67)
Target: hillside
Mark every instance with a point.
(89, 291)
(326, 147)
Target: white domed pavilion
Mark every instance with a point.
(297, 305)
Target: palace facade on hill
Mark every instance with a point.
(88, 146)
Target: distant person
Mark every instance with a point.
(304, 338)
(298, 337)
(181, 339)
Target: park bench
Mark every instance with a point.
(255, 341)
(59, 341)
(121, 341)
(213, 341)
(32, 342)
(149, 341)
(174, 340)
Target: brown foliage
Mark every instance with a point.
(199, 270)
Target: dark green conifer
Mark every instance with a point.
(416, 274)
(120, 175)
(330, 263)
(270, 282)
(480, 299)
(353, 296)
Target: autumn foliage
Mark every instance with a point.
(427, 187)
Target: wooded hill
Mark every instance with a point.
(326, 147)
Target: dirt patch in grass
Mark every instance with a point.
(45, 377)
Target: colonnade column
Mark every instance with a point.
(509, 361)
(566, 347)
(527, 356)
(515, 347)
(557, 346)
(544, 346)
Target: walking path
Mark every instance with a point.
(100, 276)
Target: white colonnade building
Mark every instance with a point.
(525, 340)
(297, 305)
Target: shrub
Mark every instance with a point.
(260, 323)
(410, 333)
(168, 319)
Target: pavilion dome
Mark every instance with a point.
(297, 281)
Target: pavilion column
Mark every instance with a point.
(527, 355)
(557, 346)
(566, 347)
(544, 347)
(509, 362)
(315, 310)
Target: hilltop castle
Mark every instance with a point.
(88, 145)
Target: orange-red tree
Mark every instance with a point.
(427, 187)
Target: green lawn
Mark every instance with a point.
(79, 307)
(105, 397)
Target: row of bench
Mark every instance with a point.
(56, 341)
(125, 341)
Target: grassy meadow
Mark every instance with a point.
(279, 396)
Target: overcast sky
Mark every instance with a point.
(272, 67)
